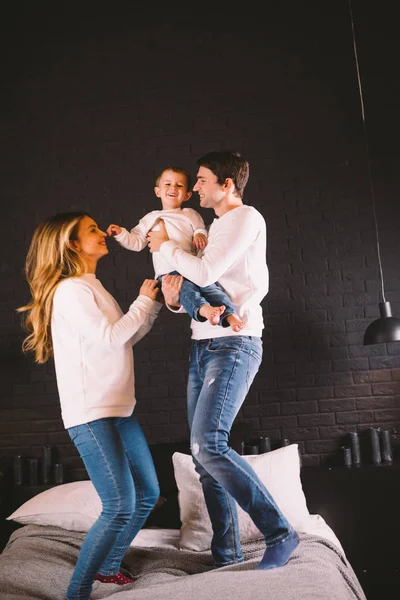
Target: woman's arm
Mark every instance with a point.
(148, 324)
(75, 302)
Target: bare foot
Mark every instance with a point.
(235, 323)
(211, 313)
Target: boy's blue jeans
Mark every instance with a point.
(192, 297)
(220, 374)
(120, 466)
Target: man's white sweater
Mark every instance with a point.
(235, 256)
(92, 341)
(181, 224)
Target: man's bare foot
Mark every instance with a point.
(235, 323)
(211, 313)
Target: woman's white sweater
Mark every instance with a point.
(92, 341)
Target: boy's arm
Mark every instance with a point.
(223, 249)
(135, 239)
(197, 221)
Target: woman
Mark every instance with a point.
(72, 317)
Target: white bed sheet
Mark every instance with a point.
(155, 537)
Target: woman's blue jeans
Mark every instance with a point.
(119, 463)
(220, 374)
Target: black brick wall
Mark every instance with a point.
(97, 98)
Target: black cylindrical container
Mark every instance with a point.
(250, 449)
(346, 456)
(375, 446)
(47, 464)
(285, 442)
(33, 471)
(18, 470)
(355, 449)
(58, 473)
(386, 446)
(265, 444)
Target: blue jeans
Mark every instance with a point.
(193, 297)
(220, 374)
(120, 466)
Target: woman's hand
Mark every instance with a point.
(150, 288)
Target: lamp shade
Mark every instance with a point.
(385, 329)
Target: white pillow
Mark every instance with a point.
(74, 506)
(279, 471)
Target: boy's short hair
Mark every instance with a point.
(225, 165)
(176, 169)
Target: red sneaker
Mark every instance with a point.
(119, 579)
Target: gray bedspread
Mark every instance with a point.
(38, 561)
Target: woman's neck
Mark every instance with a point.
(91, 265)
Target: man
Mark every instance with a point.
(224, 362)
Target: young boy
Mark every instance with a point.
(186, 227)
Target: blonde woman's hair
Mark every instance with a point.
(50, 259)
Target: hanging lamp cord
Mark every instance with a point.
(367, 152)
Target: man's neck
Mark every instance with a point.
(227, 205)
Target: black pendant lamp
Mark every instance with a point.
(386, 328)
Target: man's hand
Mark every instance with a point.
(156, 238)
(171, 287)
(113, 230)
(200, 241)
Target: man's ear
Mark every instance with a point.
(228, 184)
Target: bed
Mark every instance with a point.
(170, 558)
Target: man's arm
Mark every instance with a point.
(223, 249)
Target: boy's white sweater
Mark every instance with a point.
(235, 256)
(92, 341)
(181, 224)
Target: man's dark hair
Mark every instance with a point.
(227, 165)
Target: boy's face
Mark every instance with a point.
(172, 190)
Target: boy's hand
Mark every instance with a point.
(113, 230)
(149, 288)
(200, 241)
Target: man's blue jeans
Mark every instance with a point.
(120, 466)
(220, 374)
(193, 297)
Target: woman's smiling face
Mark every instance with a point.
(90, 241)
